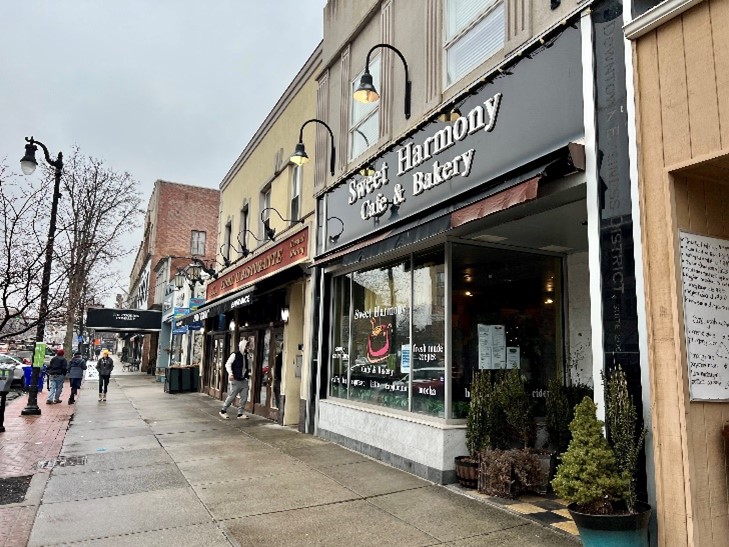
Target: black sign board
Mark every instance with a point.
(529, 111)
(119, 320)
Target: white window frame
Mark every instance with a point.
(265, 215)
(195, 242)
(297, 176)
(463, 32)
(367, 111)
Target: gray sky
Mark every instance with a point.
(164, 89)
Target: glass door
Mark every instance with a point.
(217, 363)
(266, 383)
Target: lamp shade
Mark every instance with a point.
(366, 92)
(180, 278)
(195, 272)
(299, 157)
(28, 162)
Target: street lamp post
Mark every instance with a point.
(28, 164)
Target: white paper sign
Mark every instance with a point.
(491, 346)
(513, 359)
(705, 274)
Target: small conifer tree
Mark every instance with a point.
(477, 437)
(588, 475)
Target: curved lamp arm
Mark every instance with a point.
(57, 163)
(332, 150)
(270, 232)
(408, 83)
(335, 237)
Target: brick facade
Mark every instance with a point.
(173, 213)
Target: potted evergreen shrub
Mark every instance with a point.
(592, 480)
(477, 436)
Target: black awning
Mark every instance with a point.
(235, 300)
(121, 320)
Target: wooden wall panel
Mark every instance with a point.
(674, 103)
(701, 81)
(719, 10)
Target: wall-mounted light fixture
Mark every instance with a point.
(333, 238)
(271, 232)
(244, 251)
(366, 92)
(285, 315)
(300, 157)
(449, 115)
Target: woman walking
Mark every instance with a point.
(104, 365)
(75, 374)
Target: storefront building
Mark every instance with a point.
(681, 56)
(475, 235)
(262, 291)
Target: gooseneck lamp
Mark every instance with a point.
(366, 92)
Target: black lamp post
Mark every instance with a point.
(299, 157)
(366, 92)
(28, 164)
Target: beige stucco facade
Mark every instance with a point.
(682, 100)
(264, 168)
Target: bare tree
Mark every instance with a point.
(101, 208)
(24, 216)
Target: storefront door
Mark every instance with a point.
(271, 343)
(214, 372)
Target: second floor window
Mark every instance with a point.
(474, 31)
(197, 243)
(244, 227)
(265, 215)
(296, 175)
(365, 119)
(226, 242)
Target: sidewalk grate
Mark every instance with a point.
(61, 461)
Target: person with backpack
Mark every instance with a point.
(104, 365)
(239, 370)
(57, 369)
(75, 374)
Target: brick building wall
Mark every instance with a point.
(173, 212)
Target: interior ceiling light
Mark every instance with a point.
(555, 248)
(490, 238)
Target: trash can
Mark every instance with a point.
(185, 379)
(195, 379)
(28, 371)
(172, 379)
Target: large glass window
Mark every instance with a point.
(380, 334)
(428, 347)
(373, 358)
(474, 31)
(506, 314)
(365, 119)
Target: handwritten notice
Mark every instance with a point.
(705, 273)
(491, 346)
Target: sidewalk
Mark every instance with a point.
(28, 440)
(161, 469)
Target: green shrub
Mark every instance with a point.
(588, 475)
(559, 415)
(516, 405)
(477, 424)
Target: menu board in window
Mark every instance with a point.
(705, 274)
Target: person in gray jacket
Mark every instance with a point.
(75, 374)
(57, 369)
(104, 365)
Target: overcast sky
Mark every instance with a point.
(164, 89)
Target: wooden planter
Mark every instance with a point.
(467, 471)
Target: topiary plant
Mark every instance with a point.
(516, 405)
(477, 424)
(559, 415)
(588, 475)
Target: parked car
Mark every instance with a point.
(6, 361)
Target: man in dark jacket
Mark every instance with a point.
(104, 365)
(239, 370)
(75, 374)
(56, 371)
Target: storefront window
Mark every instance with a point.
(340, 337)
(380, 334)
(428, 348)
(506, 314)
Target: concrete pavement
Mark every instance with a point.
(161, 469)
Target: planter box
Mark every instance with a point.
(467, 471)
(617, 530)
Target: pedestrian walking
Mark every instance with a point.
(57, 369)
(75, 374)
(239, 370)
(104, 365)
